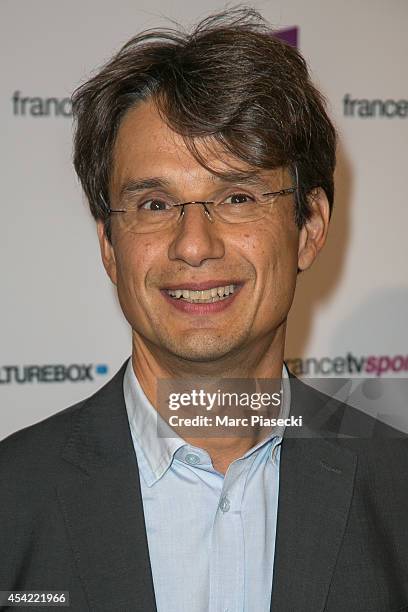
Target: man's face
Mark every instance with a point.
(259, 259)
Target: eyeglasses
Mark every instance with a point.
(144, 215)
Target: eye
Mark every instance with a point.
(239, 198)
(154, 205)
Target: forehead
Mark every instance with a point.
(146, 146)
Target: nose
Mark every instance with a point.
(196, 238)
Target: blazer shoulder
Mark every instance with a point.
(37, 443)
(347, 426)
(52, 431)
(36, 450)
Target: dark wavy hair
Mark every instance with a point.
(229, 81)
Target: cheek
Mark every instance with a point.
(271, 249)
(134, 258)
(273, 255)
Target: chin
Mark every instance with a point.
(199, 348)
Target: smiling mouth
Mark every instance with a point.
(207, 296)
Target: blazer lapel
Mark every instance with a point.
(102, 506)
(316, 486)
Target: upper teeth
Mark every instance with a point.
(214, 292)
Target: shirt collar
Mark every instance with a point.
(155, 454)
(276, 433)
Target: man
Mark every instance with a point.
(207, 159)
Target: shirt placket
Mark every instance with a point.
(227, 553)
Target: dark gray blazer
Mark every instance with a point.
(71, 514)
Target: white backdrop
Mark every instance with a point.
(58, 308)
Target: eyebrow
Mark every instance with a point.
(138, 185)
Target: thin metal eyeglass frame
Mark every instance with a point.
(281, 192)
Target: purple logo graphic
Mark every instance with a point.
(289, 35)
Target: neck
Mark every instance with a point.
(263, 360)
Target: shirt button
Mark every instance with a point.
(224, 504)
(192, 459)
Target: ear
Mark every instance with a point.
(313, 234)
(107, 252)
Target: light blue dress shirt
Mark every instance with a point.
(211, 536)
